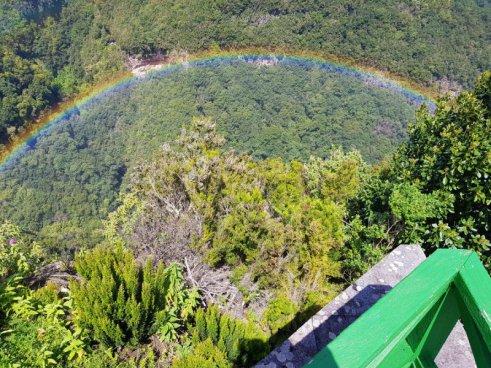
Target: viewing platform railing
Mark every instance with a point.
(409, 325)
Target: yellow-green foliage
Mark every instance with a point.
(205, 355)
(337, 177)
(120, 222)
(255, 213)
(123, 303)
(242, 343)
(19, 256)
(279, 313)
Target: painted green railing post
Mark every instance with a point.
(408, 327)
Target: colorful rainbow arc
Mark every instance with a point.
(62, 112)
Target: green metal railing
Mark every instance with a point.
(409, 325)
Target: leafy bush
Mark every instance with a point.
(279, 314)
(449, 155)
(236, 211)
(338, 177)
(18, 255)
(435, 191)
(18, 258)
(40, 332)
(366, 245)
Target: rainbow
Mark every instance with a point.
(413, 93)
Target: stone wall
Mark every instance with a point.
(331, 320)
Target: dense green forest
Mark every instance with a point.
(264, 243)
(50, 49)
(197, 218)
(72, 177)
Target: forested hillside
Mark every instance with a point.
(198, 215)
(267, 241)
(285, 111)
(51, 49)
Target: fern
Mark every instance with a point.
(123, 303)
(241, 342)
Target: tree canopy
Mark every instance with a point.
(141, 232)
(286, 111)
(51, 49)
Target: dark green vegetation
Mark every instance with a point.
(73, 176)
(268, 241)
(120, 249)
(50, 49)
(436, 190)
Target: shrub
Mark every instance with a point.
(40, 332)
(18, 259)
(242, 342)
(18, 255)
(204, 355)
(449, 153)
(123, 303)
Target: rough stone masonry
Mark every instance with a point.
(331, 320)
